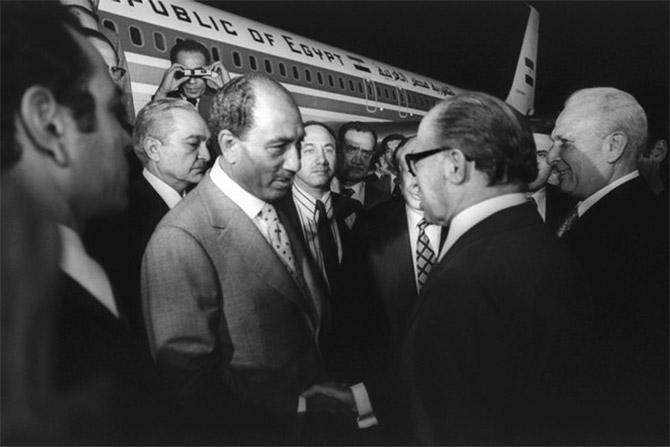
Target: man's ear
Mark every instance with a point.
(44, 121)
(455, 166)
(229, 145)
(152, 147)
(660, 151)
(614, 146)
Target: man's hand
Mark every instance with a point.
(219, 76)
(169, 83)
(334, 391)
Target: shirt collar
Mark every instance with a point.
(165, 191)
(471, 216)
(308, 203)
(413, 216)
(587, 203)
(250, 204)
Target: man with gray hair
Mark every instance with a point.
(233, 304)
(617, 233)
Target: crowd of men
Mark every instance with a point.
(221, 272)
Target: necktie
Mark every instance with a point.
(279, 239)
(568, 223)
(425, 256)
(532, 200)
(327, 243)
(193, 101)
(348, 192)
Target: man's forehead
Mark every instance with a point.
(317, 132)
(359, 137)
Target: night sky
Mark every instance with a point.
(475, 45)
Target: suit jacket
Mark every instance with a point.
(226, 321)
(558, 206)
(110, 382)
(621, 242)
(377, 189)
(484, 359)
(119, 242)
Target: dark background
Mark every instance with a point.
(475, 45)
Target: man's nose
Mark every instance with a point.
(552, 154)
(321, 157)
(203, 152)
(292, 159)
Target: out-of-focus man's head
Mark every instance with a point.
(63, 124)
(258, 128)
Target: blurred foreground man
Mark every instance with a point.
(233, 304)
(620, 237)
(64, 136)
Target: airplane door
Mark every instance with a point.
(402, 97)
(370, 91)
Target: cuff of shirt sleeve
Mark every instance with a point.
(302, 404)
(366, 416)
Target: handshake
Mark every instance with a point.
(330, 397)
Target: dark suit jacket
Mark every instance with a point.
(377, 189)
(110, 381)
(492, 343)
(622, 244)
(558, 206)
(118, 243)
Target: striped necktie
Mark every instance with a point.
(425, 256)
(568, 223)
(327, 243)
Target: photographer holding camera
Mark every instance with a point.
(192, 76)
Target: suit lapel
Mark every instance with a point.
(237, 231)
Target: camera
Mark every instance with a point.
(193, 73)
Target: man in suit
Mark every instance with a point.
(356, 148)
(484, 358)
(552, 204)
(620, 238)
(64, 139)
(170, 140)
(383, 163)
(182, 80)
(395, 250)
(233, 304)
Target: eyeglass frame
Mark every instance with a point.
(412, 158)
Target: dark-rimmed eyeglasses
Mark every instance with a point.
(414, 157)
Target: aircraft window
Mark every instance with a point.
(319, 78)
(159, 41)
(330, 80)
(379, 92)
(386, 93)
(252, 62)
(351, 85)
(215, 54)
(268, 66)
(237, 60)
(282, 69)
(341, 82)
(395, 97)
(110, 24)
(136, 36)
(178, 39)
(360, 87)
(296, 73)
(308, 75)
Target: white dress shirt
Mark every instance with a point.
(471, 216)
(79, 266)
(165, 191)
(584, 205)
(433, 233)
(540, 197)
(306, 207)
